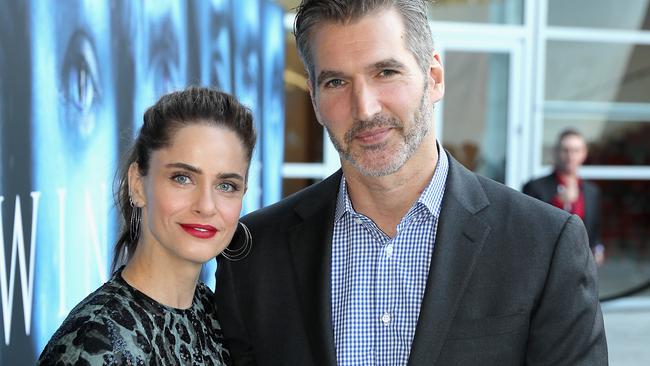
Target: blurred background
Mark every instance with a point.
(76, 76)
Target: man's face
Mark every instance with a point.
(571, 153)
(370, 94)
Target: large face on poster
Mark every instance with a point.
(247, 79)
(272, 101)
(74, 150)
(74, 87)
(160, 52)
(215, 44)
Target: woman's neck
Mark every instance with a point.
(170, 284)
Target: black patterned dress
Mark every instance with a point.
(119, 325)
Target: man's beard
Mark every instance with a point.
(394, 157)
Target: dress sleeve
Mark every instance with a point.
(82, 340)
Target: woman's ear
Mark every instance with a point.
(136, 186)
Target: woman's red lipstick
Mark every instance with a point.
(200, 231)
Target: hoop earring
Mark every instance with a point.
(136, 218)
(243, 250)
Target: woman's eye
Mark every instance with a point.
(226, 187)
(182, 179)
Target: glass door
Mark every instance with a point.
(479, 121)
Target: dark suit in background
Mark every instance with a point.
(545, 188)
(511, 282)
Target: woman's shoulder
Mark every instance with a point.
(91, 331)
(84, 331)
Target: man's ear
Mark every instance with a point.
(436, 78)
(136, 186)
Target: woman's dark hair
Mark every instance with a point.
(194, 105)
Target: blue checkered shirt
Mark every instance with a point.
(378, 282)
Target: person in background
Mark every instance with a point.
(564, 189)
(180, 196)
(403, 257)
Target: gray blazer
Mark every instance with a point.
(511, 282)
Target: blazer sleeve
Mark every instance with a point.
(567, 324)
(236, 337)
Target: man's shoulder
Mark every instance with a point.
(309, 198)
(505, 199)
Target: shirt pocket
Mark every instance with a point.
(488, 326)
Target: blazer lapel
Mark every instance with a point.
(310, 243)
(459, 241)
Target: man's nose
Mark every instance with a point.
(366, 104)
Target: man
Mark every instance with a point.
(564, 189)
(403, 256)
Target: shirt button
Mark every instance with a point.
(358, 220)
(389, 250)
(385, 318)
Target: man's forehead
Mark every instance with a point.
(368, 42)
(573, 139)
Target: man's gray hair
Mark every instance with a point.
(310, 13)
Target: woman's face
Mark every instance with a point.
(191, 197)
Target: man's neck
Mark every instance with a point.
(387, 199)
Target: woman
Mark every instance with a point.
(180, 195)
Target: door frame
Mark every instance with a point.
(518, 123)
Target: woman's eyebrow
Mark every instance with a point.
(185, 166)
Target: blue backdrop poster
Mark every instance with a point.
(76, 79)
(272, 141)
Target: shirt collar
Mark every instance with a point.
(431, 197)
(343, 203)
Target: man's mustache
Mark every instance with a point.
(379, 121)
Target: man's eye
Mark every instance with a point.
(387, 73)
(336, 83)
(182, 179)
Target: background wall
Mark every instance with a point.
(76, 77)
